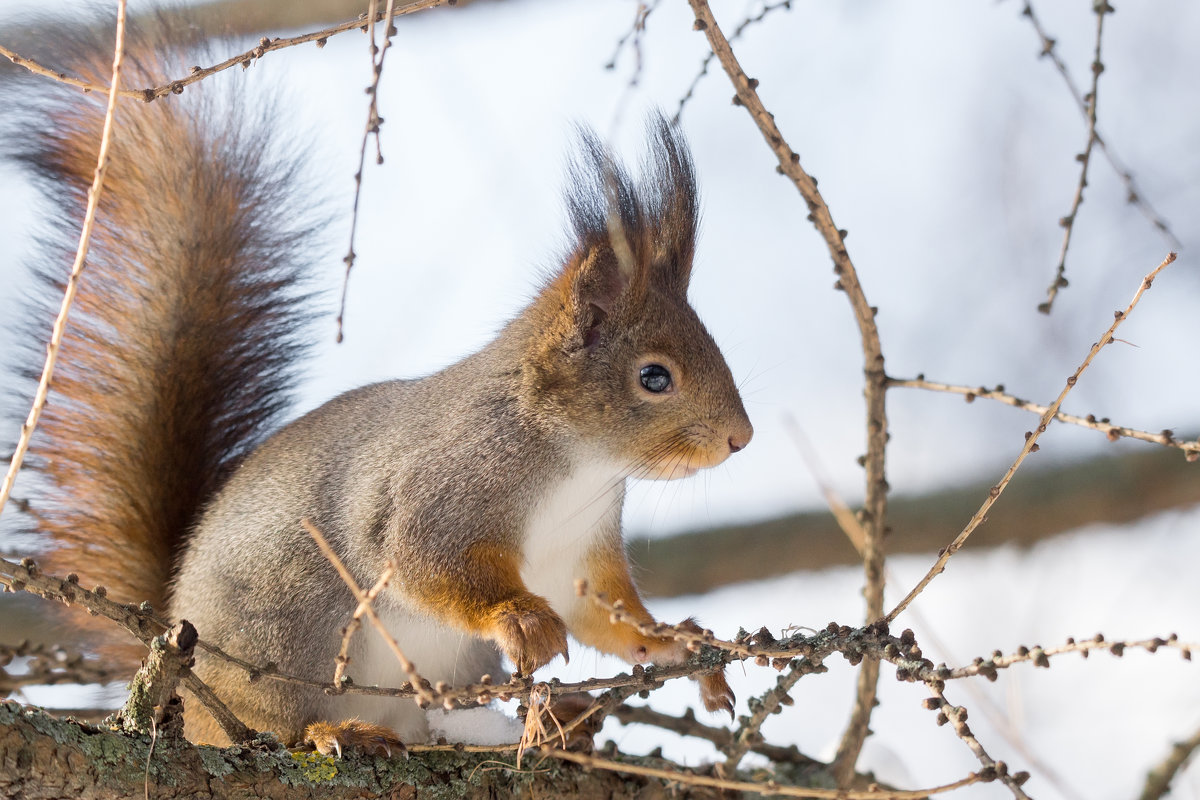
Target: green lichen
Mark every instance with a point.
(316, 768)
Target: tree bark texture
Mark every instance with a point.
(44, 758)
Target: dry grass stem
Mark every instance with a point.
(1166, 437)
(89, 219)
(842, 513)
(418, 683)
(1030, 445)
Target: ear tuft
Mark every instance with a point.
(672, 201)
(644, 230)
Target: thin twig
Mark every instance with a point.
(143, 625)
(1030, 445)
(1158, 780)
(874, 388)
(51, 665)
(634, 38)
(688, 725)
(1166, 437)
(418, 683)
(1132, 193)
(659, 630)
(1040, 656)
(343, 656)
(768, 787)
(264, 46)
(89, 218)
(1068, 222)
(737, 34)
(69, 80)
(999, 719)
(372, 127)
(957, 717)
(748, 732)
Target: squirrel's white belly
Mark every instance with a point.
(564, 525)
(562, 528)
(438, 652)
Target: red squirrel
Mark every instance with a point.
(494, 484)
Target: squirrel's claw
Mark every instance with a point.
(715, 692)
(329, 738)
(530, 632)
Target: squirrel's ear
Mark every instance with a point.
(597, 283)
(669, 182)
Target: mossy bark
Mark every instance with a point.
(44, 758)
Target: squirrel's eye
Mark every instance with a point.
(656, 378)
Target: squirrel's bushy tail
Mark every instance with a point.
(180, 350)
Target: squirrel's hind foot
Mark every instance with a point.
(334, 738)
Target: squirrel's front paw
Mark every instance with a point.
(529, 632)
(330, 738)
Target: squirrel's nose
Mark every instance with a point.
(739, 440)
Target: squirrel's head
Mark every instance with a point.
(620, 356)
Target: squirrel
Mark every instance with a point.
(492, 485)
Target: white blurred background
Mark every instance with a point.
(945, 146)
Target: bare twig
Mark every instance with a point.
(766, 9)
(1068, 222)
(874, 389)
(957, 717)
(264, 46)
(688, 725)
(89, 218)
(658, 630)
(1133, 194)
(372, 128)
(748, 731)
(1000, 720)
(1030, 445)
(141, 624)
(418, 683)
(1158, 780)
(1166, 437)
(51, 666)
(343, 656)
(231, 726)
(768, 787)
(1040, 656)
(69, 80)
